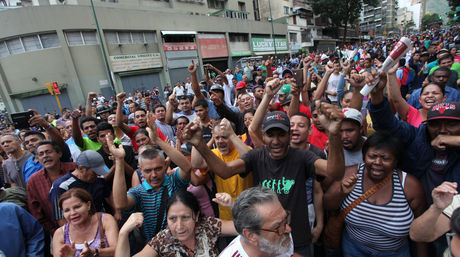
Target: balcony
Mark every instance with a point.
(226, 13)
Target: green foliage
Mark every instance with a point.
(341, 13)
(453, 4)
(430, 19)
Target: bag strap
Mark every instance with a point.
(162, 210)
(364, 196)
(101, 231)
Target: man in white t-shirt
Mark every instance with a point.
(333, 83)
(262, 224)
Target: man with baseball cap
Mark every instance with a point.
(278, 166)
(352, 141)
(88, 175)
(433, 149)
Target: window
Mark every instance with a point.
(15, 46)
(28, 43)
(50, 40)
(293, 37)
(242, 6)
(31, 43)
(126, 37)
(216, 4)
(286, 9)
(80, 38)
(3, 49)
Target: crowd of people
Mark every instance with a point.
(275, 158)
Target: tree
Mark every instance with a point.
(430, 19)
(341, 12)
(409, 26)
(453, 4)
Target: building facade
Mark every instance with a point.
(139, 45)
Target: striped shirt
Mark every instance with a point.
(148, 201)
(379, 227)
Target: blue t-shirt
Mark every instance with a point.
(148, 201)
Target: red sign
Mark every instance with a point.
(179, 46)
(213, 47)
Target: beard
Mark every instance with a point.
(278, 249)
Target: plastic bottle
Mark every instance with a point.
(399, 51)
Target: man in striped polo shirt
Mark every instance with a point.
(151, 195)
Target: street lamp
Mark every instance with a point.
(273, 30)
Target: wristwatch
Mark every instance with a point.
(96, 253)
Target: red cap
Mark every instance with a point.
(240, 85)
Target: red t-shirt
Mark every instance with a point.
(136, 128)
(302, 108)
(318, 138)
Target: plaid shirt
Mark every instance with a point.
(38, 189)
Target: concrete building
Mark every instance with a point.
(140, 44)
(379, 20)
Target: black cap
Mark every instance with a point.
(276, 119)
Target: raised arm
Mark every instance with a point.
(120, 198)
(195, 85)
(433, 223)
(331, 117)
(120, 124)
(394, 94)
(53, 132)
(269, 64)
(255, 129)
(89, 104)
(76, 132)
(194, 135)
(170, 109)
(222, 75)
(241, 147)
(294, 106)
(357, 82)
(177, 157)
(321, 88)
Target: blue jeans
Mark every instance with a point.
(354, 249)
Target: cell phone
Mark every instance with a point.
(298, 74)
(21, 119)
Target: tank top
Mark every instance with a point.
(379, 227)
(93, 244)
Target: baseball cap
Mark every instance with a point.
(353, 114)
(286, 71)
(285, 89)
(287, 100)
(447, 110)
(276, 119)
(217, 87)
(93, 160)
(240, 85)
(424, 54)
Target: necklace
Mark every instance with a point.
(84, 231)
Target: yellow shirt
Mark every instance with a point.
(233, 185)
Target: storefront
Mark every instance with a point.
(214, 50)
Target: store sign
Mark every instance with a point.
(213, 47)
(135, 62)
(266, 44)
(179, 46)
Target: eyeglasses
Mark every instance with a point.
(282, 227)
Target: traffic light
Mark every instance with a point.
(56, 88)
(48, 86)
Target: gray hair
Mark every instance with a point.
(14, 135)
(150, 154)
(244, 210)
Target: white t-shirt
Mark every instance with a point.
(228, 94)
(235, 249)
(178, 91)
(332, 85)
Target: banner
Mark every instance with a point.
(179, 46)
(213, 47)
(135, 62)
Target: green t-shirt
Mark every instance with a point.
(91, 145)
(455, 66)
